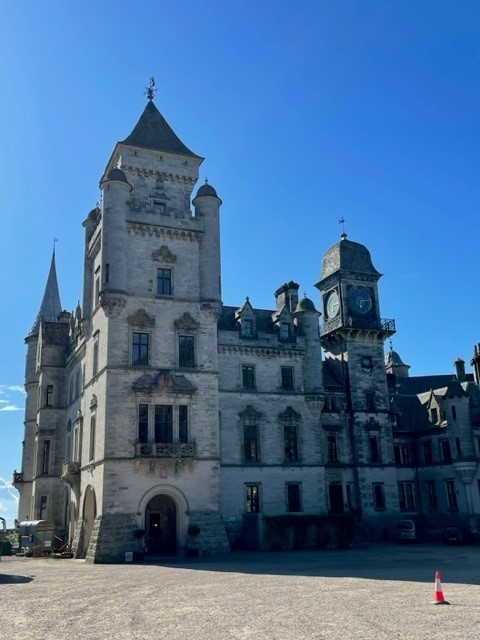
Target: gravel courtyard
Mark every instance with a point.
(373, 592)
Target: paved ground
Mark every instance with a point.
(373, 592)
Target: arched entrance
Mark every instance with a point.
(161, 525)
(89, 513)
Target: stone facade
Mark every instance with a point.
(159, 420)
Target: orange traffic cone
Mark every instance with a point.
(439, 597)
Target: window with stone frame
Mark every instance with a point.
(248, 376)
(250, 443)
(164, 282)
(143, 423)
(46, 457)
(140, 348)
(92, 438)
(252, 498)
(452, 501)
(163, 423)
(186, 351)
(96, 340)
(402, 454)
(427, 452)
(378, 496)
(445, 451)
(246, 328)
(290, 441)
(183, 423)
(434, 415)
(374, 449)
(332, 451)
(285, 331)
(432, 495)
(42, 508)
(406, 496)
(293, 496)
(49, 396)
(287, 378)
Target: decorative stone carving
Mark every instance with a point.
(372, 425)
(211, 310)
(164, 255)
(166, 382)
(315, 403)
(186, 323)
(466, 471)
(93, 402)
(289, 416)
(141, 319)
(249, 414)
(112, 306)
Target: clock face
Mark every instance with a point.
(333, 305)
(359, 300)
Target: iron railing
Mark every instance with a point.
(165, 450)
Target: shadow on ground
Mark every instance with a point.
(7, 578)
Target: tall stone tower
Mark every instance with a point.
(353, 335)
(145, 438)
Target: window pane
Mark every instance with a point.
(143, 423)
(140, 343)
(186, 350)
(290, 442)
(163, 423)
(250, 439)
(183, 423)
(248, 373)
(164, 282)
(332, 448)
(252, 499)
(293, 497)
(287, 378)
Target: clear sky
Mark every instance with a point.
(305, 112)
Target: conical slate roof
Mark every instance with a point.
(51, 306)
(152, 131)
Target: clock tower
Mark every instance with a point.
(353, 336)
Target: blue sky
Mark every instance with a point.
(305, 113)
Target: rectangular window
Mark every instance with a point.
(46, 457)
(164, 282)
(290, 442)
(405, 496)
(95, 357)
(458, 447)
(374, 451)
(186, 351)
(248, 374)
(92, 438)
(49, 398)
(378, 496)
(284, 331)
(332, 449)
(434, 415)
(183, 423)
(445, 450)
(402, 454)
(250, 442)
(42, 510)
(163, 423)
(293, 497)
(427, 452)
(252, 498)
(143, 423)
(451, 495)
(140, 345)
(247, 328)
(454, 412)
(370, 401)
(97, 292)
(432, 495)
(287, 378)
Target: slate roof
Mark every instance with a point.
(263, 320)
(413, 414)
(55, 333)
(347, 256)
(50, 307)
(152, 131)
(422, 384)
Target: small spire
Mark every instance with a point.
(55, 240)
(342, 222)
(150, 90)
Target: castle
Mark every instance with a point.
(155, 414)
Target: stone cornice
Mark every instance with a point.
(265, 352)
(160, 175)
(154, 231)
(95, 246)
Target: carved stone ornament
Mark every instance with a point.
(93, 402)
(164, 255)
(249, 414)
(186, 323)
(113, 307)
(141, 319)
(372, 425)
(315, 403)
(212, 310)
(289, 416)
(466, 471)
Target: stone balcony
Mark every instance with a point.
(166, 450)
(71, 473)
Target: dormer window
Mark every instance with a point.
(247, 328)
(285, 330)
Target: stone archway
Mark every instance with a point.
(161, 525)
(89, 513)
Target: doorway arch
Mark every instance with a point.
(161, 525)
(170, 503)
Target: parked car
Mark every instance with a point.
(406, 531)
(454, 535)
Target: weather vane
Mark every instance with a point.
(342, 222)
(150, 90)
(55, 240)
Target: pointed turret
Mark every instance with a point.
(51, 306)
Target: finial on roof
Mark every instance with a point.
(150, 90)
(206, 180)
(391, 344)
(342, 222)
(247, 299)
(54, 241)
